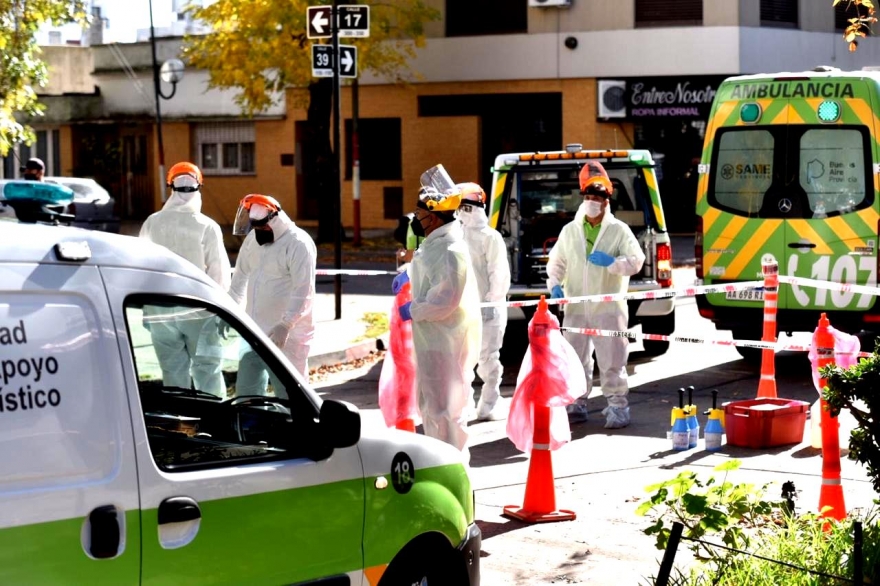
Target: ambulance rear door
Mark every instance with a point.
(831, 228)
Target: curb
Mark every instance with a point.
(354, 352)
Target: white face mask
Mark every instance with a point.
(592, 208)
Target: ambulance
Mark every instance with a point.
(790, 169)
(534, 194)
(111, 475)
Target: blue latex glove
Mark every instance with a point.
(603, 259)
(404, 311)
(399, 281)
(557, 292)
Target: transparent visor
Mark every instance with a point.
(437, 178)
(248, 218)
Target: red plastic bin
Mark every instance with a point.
(765, 422)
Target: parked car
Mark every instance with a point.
(93, 207)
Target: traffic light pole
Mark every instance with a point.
(337, 183)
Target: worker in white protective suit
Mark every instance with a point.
(445, 313)
(186, 341)
(276, 266)
(596, 254)
(492, 270)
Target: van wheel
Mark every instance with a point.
(751, 355)
(423, 564)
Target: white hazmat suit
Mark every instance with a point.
(492, 271)
(568, 267)
(188, 344)
(279, 278)
(446, 332)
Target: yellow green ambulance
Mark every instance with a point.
(790, 168)
(112, 476)
(534, 194)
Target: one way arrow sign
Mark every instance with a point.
(318, 18)
(348, 58)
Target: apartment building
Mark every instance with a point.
(495, 76)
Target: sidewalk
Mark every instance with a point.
(344, 340)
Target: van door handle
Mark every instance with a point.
(801, 245)
(104, 534)
(178, 509)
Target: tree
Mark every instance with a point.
(860, 24)
(260, 48)
(21, 69)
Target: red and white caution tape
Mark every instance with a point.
(845, 287)
(636, 335)
(352, 272)
(653, 294)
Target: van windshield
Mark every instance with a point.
(791, 171)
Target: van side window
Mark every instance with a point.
(210, 393)
(832, 169)
(743, 169)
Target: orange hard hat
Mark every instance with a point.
(594, 173)
(183, 169)
(472, 194)
(265, 200)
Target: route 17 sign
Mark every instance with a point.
(322, 60)
(353, 20)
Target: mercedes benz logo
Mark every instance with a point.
(784, 205)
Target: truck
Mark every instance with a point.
(534, 194)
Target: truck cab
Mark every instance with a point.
(535, 194)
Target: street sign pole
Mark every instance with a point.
(337, 183)
(355, 164)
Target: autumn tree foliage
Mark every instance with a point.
(260, 48)
(21, 69)
(860, 18)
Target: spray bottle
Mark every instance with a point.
(679, 425)
(692, 422)
(715, 426)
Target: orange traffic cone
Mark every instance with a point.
(770, 270)
(831, 502)
(406, 425)
(539, 505)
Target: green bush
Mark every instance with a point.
(741, 517)
(855, 389)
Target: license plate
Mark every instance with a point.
(746, 295)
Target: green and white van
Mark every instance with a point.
(790, 168)
(109, 476)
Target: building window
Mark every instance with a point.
(669, 13)
(468, 18)
(379, 149)
(47, 147)
(226, 148)
(782, 13)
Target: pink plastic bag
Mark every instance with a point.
(846, 349)
(552, 375)
(397, 379)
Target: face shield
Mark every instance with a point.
(254, 211)
(438, 179)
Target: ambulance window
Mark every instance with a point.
(743, 169)
(832, 168)
(211, 394)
